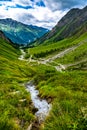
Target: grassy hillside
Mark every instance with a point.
(66, 90)
(16, 111)
(72, 24)
(45, 50)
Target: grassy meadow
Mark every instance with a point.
(66, 90)
(16, 110)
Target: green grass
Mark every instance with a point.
(77, 55)
(67, 90)
(42, 51)
(15, 114)
(45, 50)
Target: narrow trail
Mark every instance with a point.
(59, 67)
(64, 52)
(22, 56)
(76, 63)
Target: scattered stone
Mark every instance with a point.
(49, 100)
(22, 100)
(16, 92)
(30, 127)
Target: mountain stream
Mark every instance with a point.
(42, 106)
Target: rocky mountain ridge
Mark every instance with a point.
(20, 33)
(73, 23)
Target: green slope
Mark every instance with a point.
(48, 50)
(66, 90)
(74, 23)
(15, 114)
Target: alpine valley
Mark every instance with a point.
(52, 71)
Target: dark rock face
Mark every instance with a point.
(73, 22)
(2, 35)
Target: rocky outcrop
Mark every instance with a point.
(73, 23)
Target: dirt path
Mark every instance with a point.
(62, 53)
(76, 63)
(58, 67)
(22, 56)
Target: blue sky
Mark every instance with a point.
(45, 13)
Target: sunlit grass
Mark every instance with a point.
(66, 90)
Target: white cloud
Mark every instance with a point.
(23, 2)
(54, 4)
(46, 16)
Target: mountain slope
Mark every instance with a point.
(65, 50)
(66, 85)
(73, 23)
(13, 72)
(65, 89)
(21, 33)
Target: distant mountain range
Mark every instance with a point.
(58, 67)
(73, 23)
(20, 33)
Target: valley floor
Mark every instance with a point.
(65, 86)
(60, 77)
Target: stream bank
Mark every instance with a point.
(42, 106)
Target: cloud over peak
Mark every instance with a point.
(45, 13)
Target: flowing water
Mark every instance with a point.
(42, 105)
